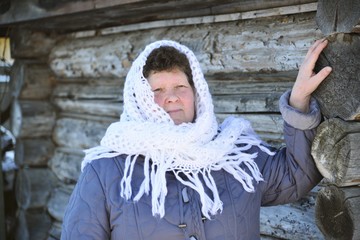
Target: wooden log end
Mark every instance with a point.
(331, 216)
(339, 94)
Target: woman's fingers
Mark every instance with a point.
(315, 53)
(313, 47)
(320, 76)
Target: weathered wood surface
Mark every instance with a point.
(83, 132)
(27, 44)
(78, 133)
(339, 94)
(42, 181)
(22, 189)
(237, 46)
(32, 118)
(336, 151)
(58, 200)
(291, 221)
(337, 212)
(66, 163)
(33, 151)
(91, 14)
(229, 97)
(38, 81)
(38, 223)
(338, 16)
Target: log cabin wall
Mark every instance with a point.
(72, 91)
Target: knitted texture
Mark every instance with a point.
(192, 149)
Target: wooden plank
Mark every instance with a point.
(310, 7)
(336, 151)
(337, 212)
(88, 14)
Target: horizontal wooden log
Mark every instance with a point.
(291, 221)
(222, 104)
(33, 151)
(83, 91)
(32, 119)
(339, 94)
(336, 151)
(220, 48)
(66, 164)
(337, 212)
(113, 90)
(338, 16)
(94, 107)
(78, 133)
(58, 201)
(38, 81)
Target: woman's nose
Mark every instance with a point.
(171, 96)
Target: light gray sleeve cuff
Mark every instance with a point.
(296, 118)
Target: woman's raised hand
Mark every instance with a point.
(307, 81)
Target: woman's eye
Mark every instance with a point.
(156, 90)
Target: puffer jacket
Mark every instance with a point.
(96, 210)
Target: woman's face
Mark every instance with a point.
(174, 94)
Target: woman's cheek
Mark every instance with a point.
(157, 99)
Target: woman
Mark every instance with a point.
(167, 170)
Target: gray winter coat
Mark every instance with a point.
(96, 210)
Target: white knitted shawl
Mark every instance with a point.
(193, 149)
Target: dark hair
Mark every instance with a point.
(166, 59)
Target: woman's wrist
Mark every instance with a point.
(300, 103)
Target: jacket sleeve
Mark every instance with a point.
(86, 216)
(291, 172)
